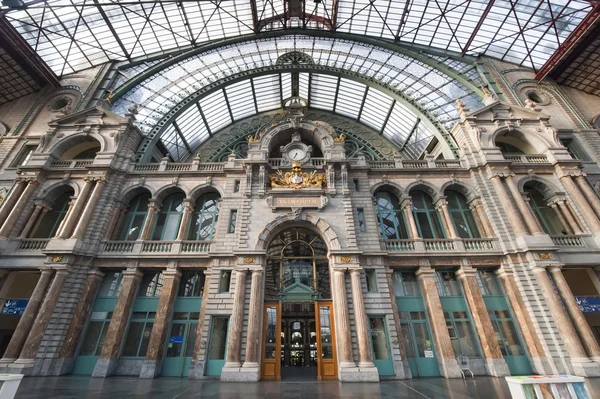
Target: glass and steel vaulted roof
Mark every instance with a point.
(405, 99)
(71, 35)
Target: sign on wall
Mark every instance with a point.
(588, 303)
(14, 307)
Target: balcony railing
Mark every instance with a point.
(314, 162)
(33, 244)
(478, 244)
(441, 244)
(568, 241)
(526, 158)
(72, 164)
(155, 247)
(400, 245)
(118, 246)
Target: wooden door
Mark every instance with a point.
(326, 351)
(271, 357)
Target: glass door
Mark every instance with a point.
(271, 360)
(420, 351)
(180, 345)
(327, 362)
(382, 358)
(217, 347)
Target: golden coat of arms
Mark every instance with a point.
(297, 179)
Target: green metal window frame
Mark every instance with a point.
(388, 209)
(451, 320)
(360, 215)
(232, 221)
(447, 287)
(371, 280)
(434, 222)
(401, 284)
(154, 286)
(191, 284)
(176, 199)
(206, 207)
(133, 210)
(142, 346)
(540, 208)
(224, 281)
(58, 211)
(460, 210)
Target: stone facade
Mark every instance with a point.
(512, 241)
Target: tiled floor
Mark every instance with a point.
(172, 388)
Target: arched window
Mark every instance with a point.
(390, 216)
(169, 218)
(204, 218)
(427, 218)
(133, 222)
(53, 218)
(546, 215)
(462, 216)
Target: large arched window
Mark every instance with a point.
(390, 216)
(546, 215)
(169, 218)
(204, 218)
(133, 222)
(462, 216)
(427, 218)
(52, 219)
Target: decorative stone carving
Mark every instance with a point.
(297, 179)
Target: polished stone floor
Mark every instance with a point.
(173, 388)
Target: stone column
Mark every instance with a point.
(342, 319)
(410, 219)
(589, 193)
(234, 343)
(252, 357)
(483, 227)
(447, 220)
(69, 346)
(495, 363)
(164, 313)
(89, 210)
(11, 199)
(446, 359)
(584, 207)
(569, 216)
(39, 220)
(563, 221)
(34, 339)
(153, 209)
(37, 211)
(115, 221)
(579, 321)
(511, 212)
(184, 226)
(197, 366)
(75, 212)
(61, 225)
(403, 370)
(17, 210)
(524, 208)
(485, 220)
(27, 319)
(106, 365)
(579, 358)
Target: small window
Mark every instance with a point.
(236, 186)
(224, 281)
(232, 221)
(151, 284)
(111, 284)
(575, 149)
(191, 284)
(361, 220)
(355, 181)
(371, 276)
(24, 155)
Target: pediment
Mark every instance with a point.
(500, 111)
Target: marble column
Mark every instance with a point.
(11, 199)
(446, 359)
(365, 358)
(75, 212)
(403, 370)
(589, 193)
(410, 219)
(61, 225)
(164, 313)
(34, 339)
(39, 220)
(447, 220)
(234, 343)
(252, 358)
(579, 358)
(17, 210)
(511, 212)
(184, 226)
(584, 207)
(494, 361)
(28, 318)
(484, 220)
(197, 366)
(569, 216)
(106, 365)
(524, 208)
(89, 209)
(563, 221)
(153, 209)
(33, 218)
(116, 220)
(530, 337)
(66, 356)
(579, 321)
(342, 320)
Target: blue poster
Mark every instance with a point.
(14, 307)
(588, 303)
(176, 340)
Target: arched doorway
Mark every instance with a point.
(299, 336)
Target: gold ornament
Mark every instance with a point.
(297, 179)
(545, 255)
(340, 138)
(249, 260)
(346, 259)
(252, 139)
(56, 259)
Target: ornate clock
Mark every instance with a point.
(295, 151)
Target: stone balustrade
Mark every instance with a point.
(400, 245)
(439, 244)
(478, 244)
(568, 241)
(442, 245)
(154, 247)
(313, 162)
(32, 244)
(72, 164)
(526, 158)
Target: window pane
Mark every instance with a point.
(92, 337)
(326, 340)
(371, 280)
(466, 339)
(145, 339)
(111, 285)
(218, 340)
(190, 340)
(408, 342)
(271, 333)
(378, 338)
(232, 221)
(134, 336)
(225, 281)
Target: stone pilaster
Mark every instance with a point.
(27, 319)
(494, 361)
(11, 199)
(37, 213)
(481, 219)
(106, 365)
(589, 194)
(89, 209)
(184, 226)
(61, 225)
(511, 211)
(446, 359)
(197, 366)
(153, 209)
(410, 220)
(524, 208)
(73, 215)
(39, 221)
(66, 357)
(17, 210)
(164, 313)
(584, 207)
(251, 366)
(116, 220)
(234, 343)
(404, 371)
(563, 221)
(449, 227)
(564, 208)
(342, 320)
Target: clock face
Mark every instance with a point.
(296, 154)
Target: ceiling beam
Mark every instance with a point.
(477, 27)
(112, 29)
(570, 44)
(254, 16)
